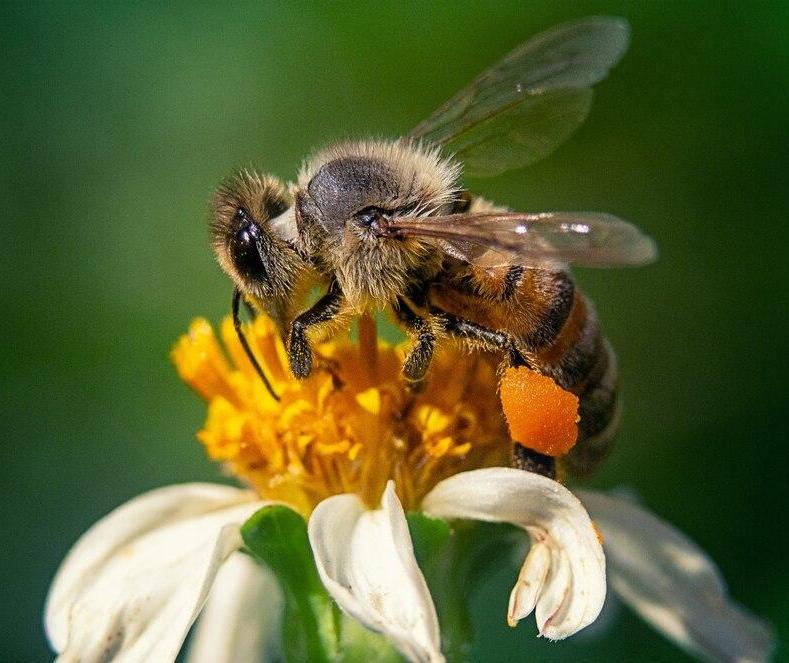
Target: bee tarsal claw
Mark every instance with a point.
(300, 355)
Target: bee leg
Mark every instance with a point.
(299, 347)
(523, 458)
(490, 338)
(421, 354)
(533, 461)
(237, 297)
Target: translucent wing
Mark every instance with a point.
(583, 238)
(524, 107)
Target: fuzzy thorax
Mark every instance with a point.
(342, 191)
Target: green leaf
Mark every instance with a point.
(430, 536)
(277, 536)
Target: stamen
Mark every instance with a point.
(368, 345)
(352, 425)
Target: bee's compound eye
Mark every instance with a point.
(246, 252)
(245, 237)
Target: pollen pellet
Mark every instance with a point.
(540, 414)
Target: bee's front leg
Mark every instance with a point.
(299, 346)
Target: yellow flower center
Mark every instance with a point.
(351, 426)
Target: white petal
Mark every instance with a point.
(241, 619)
(134, 583)
(673, 585)
(366, 561)
(573, 590)
(530, 581)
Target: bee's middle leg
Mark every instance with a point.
(421, 354)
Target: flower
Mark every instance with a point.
(350, 427)
(135, 581)
(351, 449)
(672, 584)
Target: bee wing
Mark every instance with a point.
(524, 107)
(584, 238)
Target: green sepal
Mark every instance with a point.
(455, 559)
(360, 645)
(313, 627)
(277, 536)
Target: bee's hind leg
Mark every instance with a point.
(421, 353)
(522, 457)
(489, 338)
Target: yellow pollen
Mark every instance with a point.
(351, 426)
(370, 400)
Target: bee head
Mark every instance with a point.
(249, 237)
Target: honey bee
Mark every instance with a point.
(387, 224)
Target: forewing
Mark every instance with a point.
(584, 238)
(524, 107)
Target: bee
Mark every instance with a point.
(388, 224)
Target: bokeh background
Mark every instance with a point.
(119, 118)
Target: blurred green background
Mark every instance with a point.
(119, 118)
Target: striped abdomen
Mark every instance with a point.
(557, 327)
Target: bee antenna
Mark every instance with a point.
(245, 344)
